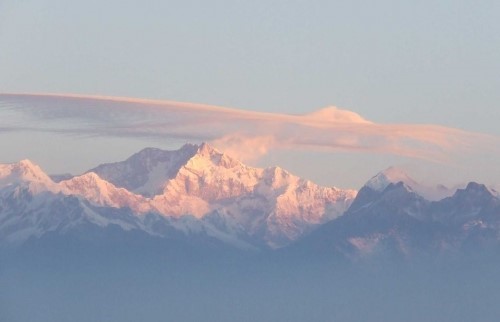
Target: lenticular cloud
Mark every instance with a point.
(246, 134)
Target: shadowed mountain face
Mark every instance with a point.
(395, 222)
(147, 171)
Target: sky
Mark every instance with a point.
(399, 65)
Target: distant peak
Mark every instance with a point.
(479, 188)
(475, 186)
(336, 115)
(398, 186)
(148, 150)
(394, 172)
(390, 175)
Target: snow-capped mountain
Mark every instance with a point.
(262, 205)
(395, 220)
(198, 194)
(195, 189)
(395, 175)
(146, 172)
(25, 174)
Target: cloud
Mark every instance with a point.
(245, 134)
(246, 148)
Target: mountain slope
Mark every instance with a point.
(395, 175)
(397, 222)
(25, 174)
(268, 204)
(147, 171)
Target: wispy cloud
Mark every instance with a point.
(246, 134)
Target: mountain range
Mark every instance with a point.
(201, 196)
(194, 190)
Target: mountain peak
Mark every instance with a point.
(207, 150)
(477, 188)
(24, 169)
(336, 115)
(208, 153)
(26, 166)
(394, 175)
(388, 176)
(89, 176)
(26, 163)
(27, 173)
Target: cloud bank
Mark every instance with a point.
(242, 133)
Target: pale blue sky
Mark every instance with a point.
(389, 61)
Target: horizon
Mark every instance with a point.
(198, 145)
(390, 169)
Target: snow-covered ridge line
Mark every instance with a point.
(88, 186)
(270, 205)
